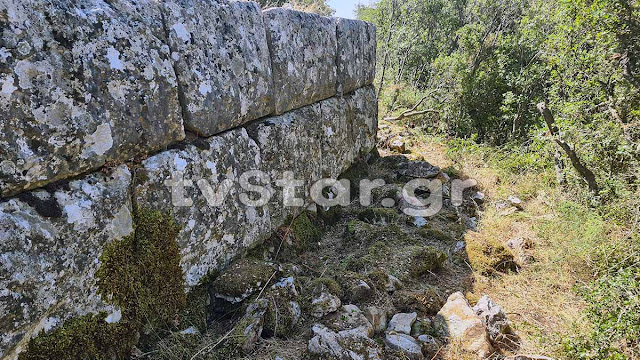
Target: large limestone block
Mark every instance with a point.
(81, 83)
(303, 57)
(338, 144)
(217, 226)
(356, 54)
(362, 110)
(50, 245)
(222, 61)
(290, 143)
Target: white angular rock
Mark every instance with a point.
(404, 343)
(328, 344)
(351, 320)
(303, 57)
(92, 82)
(457, 320)
(222, 62)
(495, 319)
(402, 322)
(325, 303)
(51, 243)
(356, 54)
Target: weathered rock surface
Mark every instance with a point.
(350, 320)
(377, 317)
(89, 83)
(250, 327)
(279, 140)
(243, 278)
(495, 319)
(46, 273)
(222, 61)
(362, 113)
(217, 225)
(356, 54)
(457, 320)
(303, 57)
(404, 343)
(325, 303)
(402, 322)
(343, 345)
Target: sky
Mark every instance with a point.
(346, 8)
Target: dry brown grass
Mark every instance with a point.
(539, 298)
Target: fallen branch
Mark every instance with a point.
(408, 114)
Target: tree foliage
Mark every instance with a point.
(481, 67)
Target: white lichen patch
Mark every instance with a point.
(99, 142)
(113, 56)
(52, 258)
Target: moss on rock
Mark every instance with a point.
(431, 233)
(307, 234)
(425, 259)
(322, 284)
(489, 256)
(241, 279)
(141, 274)
(86, 337)
(298, 236)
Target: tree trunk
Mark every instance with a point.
(392, 18)
(585, 172)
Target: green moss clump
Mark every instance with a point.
(86, 337)
(243, 278)
(299, 235)
(379, 216)
(489, 256)
(431, 233)
(141, 274)
(361, 232)
(319, 285)
(425, 259)
(307, 234)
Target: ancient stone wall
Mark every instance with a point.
(102, 103)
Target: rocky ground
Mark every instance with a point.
(359, 282)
